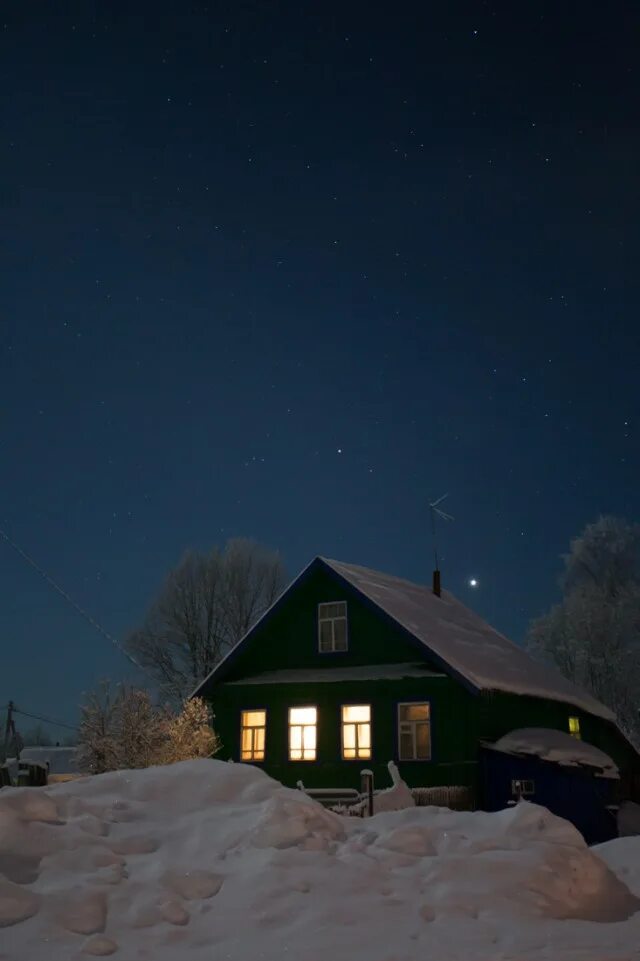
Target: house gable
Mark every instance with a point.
(392, 620)
(286, 638)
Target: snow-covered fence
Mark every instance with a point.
(331, 797)
(457, 798)
(369, 801)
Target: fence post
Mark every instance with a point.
(366, 789)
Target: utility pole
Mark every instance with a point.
(10, 731)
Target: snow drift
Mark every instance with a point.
(206, 859)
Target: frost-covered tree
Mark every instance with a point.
(189, 734)
(121, 728)
(98, 732)
(204, 607)
(139, 729)
(593, 634)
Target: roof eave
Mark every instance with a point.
(223, 666)
(406, 633)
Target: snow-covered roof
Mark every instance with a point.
(558, 746)
(332, 675)
(455, 637)
(62, 760)
(461, 639)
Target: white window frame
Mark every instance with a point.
(355, 724)
(523, 787)
(253, 727)
(412, 726)
(333, 620)
(303, 759)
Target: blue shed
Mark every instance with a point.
(571, 778)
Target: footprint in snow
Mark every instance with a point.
(100, 947)
(85, 914)
(137, 844)
(16, 904)
(193, 885)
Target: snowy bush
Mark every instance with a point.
(123, 729)
(188, 735)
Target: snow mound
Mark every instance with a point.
(207, 859)
(558, 746)
(622, 855)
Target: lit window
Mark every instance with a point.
(574, 727)
(356, 731)
(253, 727)
(332, 627)
(414, 731)
(303, 726)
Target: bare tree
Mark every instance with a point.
(593, 634)
(205, 606)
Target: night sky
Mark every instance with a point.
(289, 270)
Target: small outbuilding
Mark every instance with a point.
(573, 779)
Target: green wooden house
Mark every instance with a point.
(352, 668)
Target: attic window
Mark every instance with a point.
(574, 727)
(332, 627)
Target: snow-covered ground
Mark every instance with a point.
(208, 860)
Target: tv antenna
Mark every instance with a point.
(436, 511)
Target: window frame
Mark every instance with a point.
(332, 620)
(399, 723)
(252, 710)
(350, 760)
(301, 760)
(527, 787)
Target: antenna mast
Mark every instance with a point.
(435, 509)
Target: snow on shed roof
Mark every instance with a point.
(558, 746)
(460, 638)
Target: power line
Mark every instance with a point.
(47, 720)
(70, 600)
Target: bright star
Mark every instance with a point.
(473, 582)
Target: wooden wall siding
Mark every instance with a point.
(460, 719)
(453, 723)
